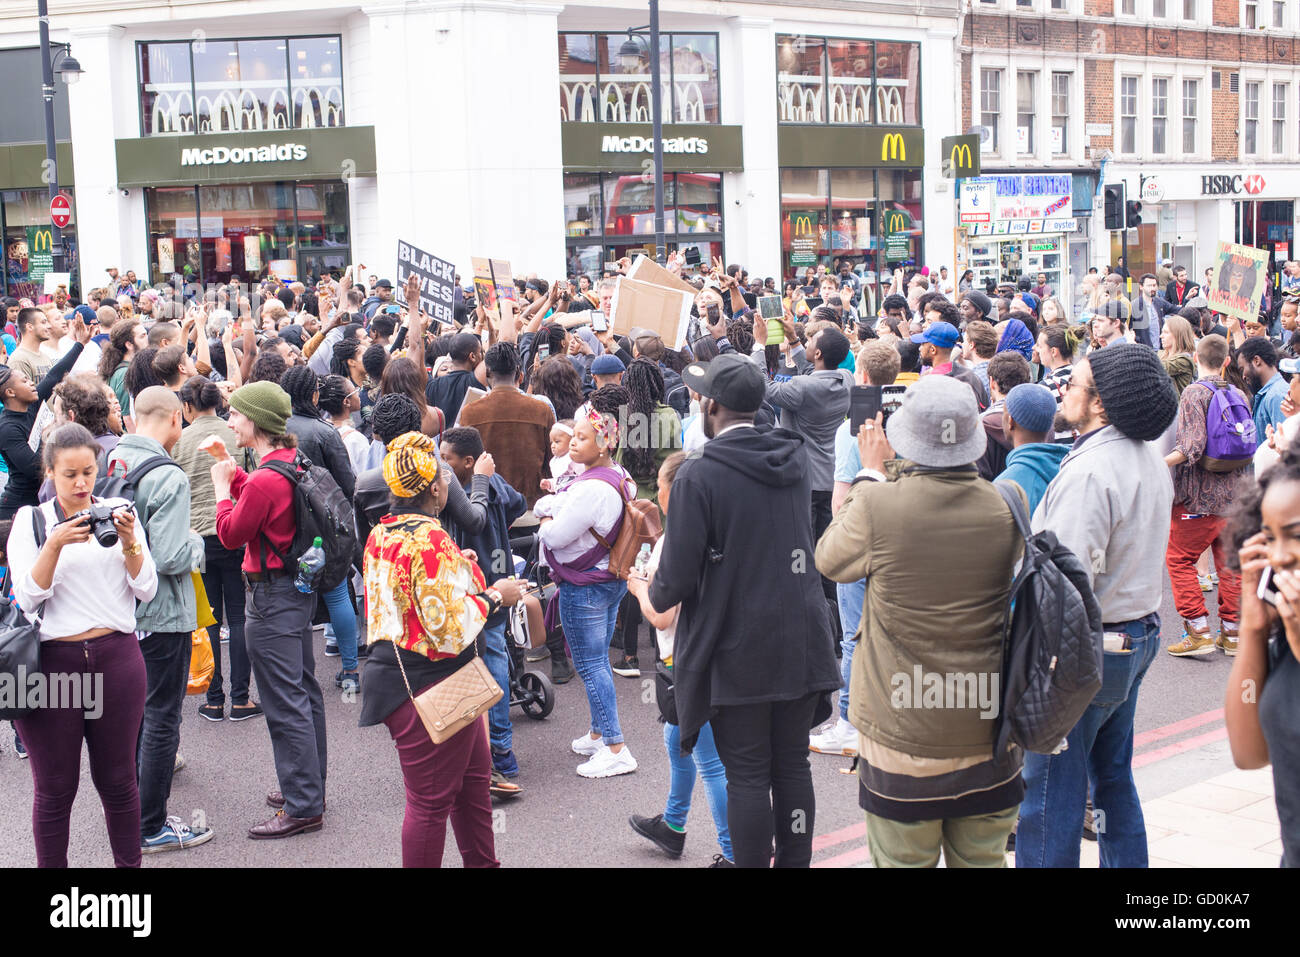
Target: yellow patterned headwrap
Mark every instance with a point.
(411, 464)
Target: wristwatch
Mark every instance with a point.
(134, 550)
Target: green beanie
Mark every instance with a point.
(265, 404)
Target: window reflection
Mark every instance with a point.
(581, 204)
(229, 85)
(898, 87)
(848, 81)
(801, 79)
(605, 77)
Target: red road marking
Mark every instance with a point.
(848, 858)
(1178, 747)
(851, 833)
(1178, 727)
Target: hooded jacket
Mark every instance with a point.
(1033, 467)
(738, 556)
(320, 442)
(812, 405)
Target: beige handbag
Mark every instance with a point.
(454, 702)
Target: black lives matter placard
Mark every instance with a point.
(437, 280)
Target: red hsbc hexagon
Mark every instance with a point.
(1253, 184)
(60, 211)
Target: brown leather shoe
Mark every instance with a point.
(275, 799)
(284, 826)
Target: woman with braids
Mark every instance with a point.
(320, 442)
(558, 380)
(653, 428)
(589, 594)
(339, 399)
(404, 376)
(1264, 726)
(200, 402)
(426, 602)
(125, 339)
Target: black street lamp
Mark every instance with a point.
(628, 50)
(70, 70)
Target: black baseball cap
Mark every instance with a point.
(730, 379)
(383, 284)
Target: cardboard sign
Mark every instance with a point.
(437, 281)
(663, 310)
(1237, 286)
(504, 281)
(53, 280)
(647, 270)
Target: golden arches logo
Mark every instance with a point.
(803, 226)
(42, 241)
(892, 147)
(960, 157)
(895, 222)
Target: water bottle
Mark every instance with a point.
(642, 559)
(310, 565)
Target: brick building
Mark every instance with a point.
(1193, 104)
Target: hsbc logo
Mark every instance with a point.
(1225, 185)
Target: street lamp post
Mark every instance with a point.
(657, 132)
(69, 69)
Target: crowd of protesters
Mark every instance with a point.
(1147, 432)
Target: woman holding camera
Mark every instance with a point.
(88, 634)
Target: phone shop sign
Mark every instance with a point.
(1022, 196)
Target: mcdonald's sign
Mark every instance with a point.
(42, 241)
(961, 156)
(892, 147)
(801, 226)
(895, 222)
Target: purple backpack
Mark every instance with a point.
(1229, 431)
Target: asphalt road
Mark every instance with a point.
(561, 820)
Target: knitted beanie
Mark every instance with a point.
(1134, 388)
(265, 404)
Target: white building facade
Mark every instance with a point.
(240, 136)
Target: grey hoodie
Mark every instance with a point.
(1110, 504)
(813, 406)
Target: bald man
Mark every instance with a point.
(162, 505)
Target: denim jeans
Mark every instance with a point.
(1101, 752)
(225, 587)
(344, 619)
(167, 672)
(851, 598)
(588, 613)
(682, 782)
(494, 656)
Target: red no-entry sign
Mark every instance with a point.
(60, 211)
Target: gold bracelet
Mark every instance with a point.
(134, 550)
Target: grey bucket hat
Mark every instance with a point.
(938, 424)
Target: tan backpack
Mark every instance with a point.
(640, 525)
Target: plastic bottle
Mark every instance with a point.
(643, 558)
(311, 564)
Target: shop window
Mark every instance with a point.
(246, 230)
(1279, 118)
(1190, 109)
(856, 82)
(606, 77)
(697, 205)
(1128, 107)
(173, 215)
(582, 204)
(1060, 113)
(28, 242)
(217, 86)
(1252, 119)
(900, 238)
(853, 216)
(991, 106)
(1159, 115)
(1025, 113)
(322, 214)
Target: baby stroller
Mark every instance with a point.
(530, 690)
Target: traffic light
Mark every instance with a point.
(1115, 206)
(1133, 213)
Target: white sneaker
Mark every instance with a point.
(840, 738)
(605, 764)
(587, 745)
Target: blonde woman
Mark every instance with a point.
(1177, 347)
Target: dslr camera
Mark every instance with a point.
(101, 521)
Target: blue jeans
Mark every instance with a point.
(344, 619)
(682, 782)
(1101, 751)
(494, 656)
(588, 613)
(851, 599)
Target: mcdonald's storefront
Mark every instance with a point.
(851, 194)
(25, 220)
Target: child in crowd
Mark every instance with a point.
(563, 469)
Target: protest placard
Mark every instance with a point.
(437, 281)
(1237, 286)
(646, 269)
(662, 310)
(484, 289)
(504, 281)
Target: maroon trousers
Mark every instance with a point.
(53, 736)
(444, 780)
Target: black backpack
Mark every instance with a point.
(320, 510)
(1051, 642)
(123, 484)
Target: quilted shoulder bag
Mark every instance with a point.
(455, 701)
(20, 638)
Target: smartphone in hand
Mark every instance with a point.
(1266, 590)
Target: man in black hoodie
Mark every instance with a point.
(753, 653)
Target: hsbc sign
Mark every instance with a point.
(1224, 184)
